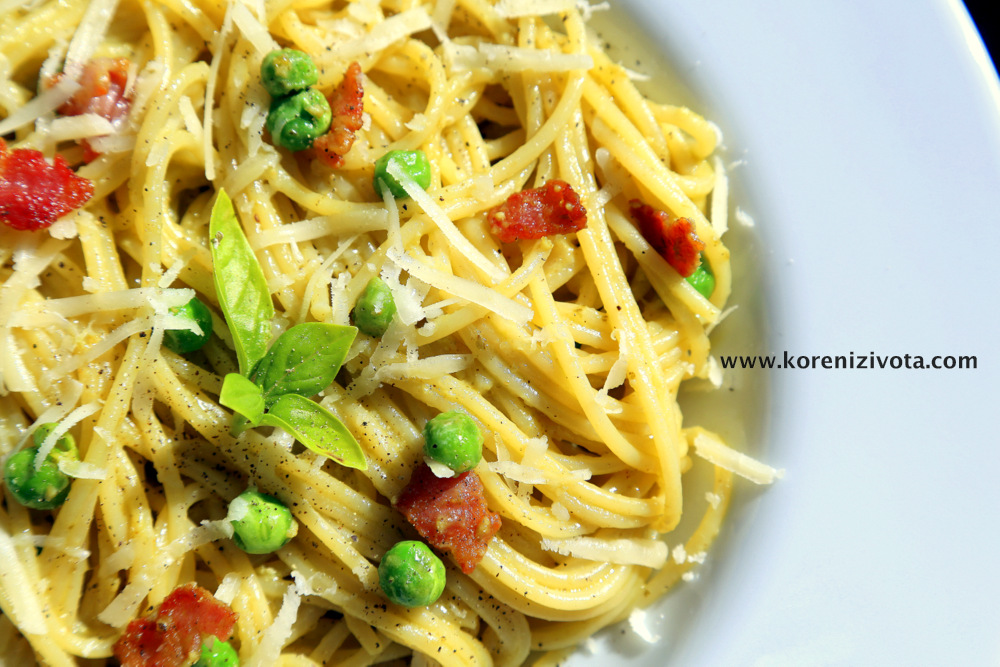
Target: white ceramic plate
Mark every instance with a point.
(869, 137)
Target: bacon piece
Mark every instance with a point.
(103, 85)
(451, 514)
(675, 240)
(553, 208)
(34, 193)
(173, 637)
(347, 105)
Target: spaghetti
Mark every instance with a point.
(567, 350)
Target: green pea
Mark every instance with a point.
(65, 445)
(183, 341)
(285, 71)
(261, 523)
(453, 438)
(414, 163)
(296, 120)
(703, 279)
(47, 487)
(375, 308)
(411, 575)
(217, 653)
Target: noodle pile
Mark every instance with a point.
(568, 350)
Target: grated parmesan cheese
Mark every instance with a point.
(103, 302)
(125, 606)
(719, 212)
(121, 559)
(616, 375)
(317, 584)
(253, 29)
(722, 316)
(49, 542)
(447, 227)
(352, 220)
(409, 297)
(744, 218)
(718, 453)
(191, 121)
(560, 512)
(638, 620)
(468, 290)
(113, 143)
(439, 469)
(511, 9)
(42, 104)
(534, 449)
(384, 34)
(88, 36)
(268, 651)
(82, 469)
(340, 303)
(25, 608)
(587, 10)
(714, 372)
(499, 58)
(228, 588)
(213, 77)
(239, 507)
(418, 123)
(644, 552)
(84, 126)
(69, 396)
(441, 18)
(518, 472)
(71, 420)
(636, 76)
(679, 554)
(65, 227)
(427, 368)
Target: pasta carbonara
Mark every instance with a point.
(566, 349)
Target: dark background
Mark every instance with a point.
(988, 27)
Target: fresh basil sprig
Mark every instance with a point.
(240, 285)
(275, 383)
(304, 360)
(316, 428)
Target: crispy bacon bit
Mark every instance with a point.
(451, 514)
(34, 193)
(347, 105)
(675, 240)
(173, 637)
(103, 90)
(551, 209)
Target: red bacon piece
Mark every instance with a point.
(103, 85)
(451, 514)
(347, 105)
(675, 239)
(173, 637)
(34, 193)
(553, 208)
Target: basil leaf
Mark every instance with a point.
(243, 396)
(316, 428)
(240, 285)
(304, 360)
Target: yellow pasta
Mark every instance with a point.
(568, 351)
